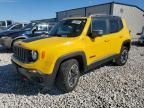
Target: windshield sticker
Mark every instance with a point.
(76, 22)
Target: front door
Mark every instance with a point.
(97, 48)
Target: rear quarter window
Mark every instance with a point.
(120, 24)
(115, 25)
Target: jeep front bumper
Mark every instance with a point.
(35, 75)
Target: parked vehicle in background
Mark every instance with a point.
(73, 46)
(16, 26)
(141, 39)
(9, 37)
(5, 24)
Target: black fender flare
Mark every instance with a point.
(72, 55)
(127, 42)
(20, 37)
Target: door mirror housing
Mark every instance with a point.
(97, 33)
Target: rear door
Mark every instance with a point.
(116, 35)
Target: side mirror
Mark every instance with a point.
(139, 34)
(97, 33)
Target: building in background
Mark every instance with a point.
(133, 14)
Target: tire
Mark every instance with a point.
(68, 75)
(123, 57)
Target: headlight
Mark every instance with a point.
(34, 55)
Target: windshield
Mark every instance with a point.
(9, 26)
(68, 28)
(29, 26)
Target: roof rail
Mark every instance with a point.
(95, 15)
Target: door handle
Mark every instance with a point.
(121, 36)
(106, 40)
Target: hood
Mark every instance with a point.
(35, 39)
(39, 42)
(11, 32)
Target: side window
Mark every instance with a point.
(120, 24)
(100, 24)
(9, 23)
(25, 25)
(50, 27)
(2, 23)
(115, 25)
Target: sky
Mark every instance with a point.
(26, 10)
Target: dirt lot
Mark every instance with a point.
(106, 87)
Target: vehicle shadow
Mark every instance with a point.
(135, 43)
(13, 83)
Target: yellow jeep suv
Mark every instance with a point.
(73, 46)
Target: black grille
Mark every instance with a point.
(22, 54)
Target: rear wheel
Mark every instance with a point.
(123, 57)
(68, 75)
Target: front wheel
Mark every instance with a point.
(68, 75)
(123, 57)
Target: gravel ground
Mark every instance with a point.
(106, 87)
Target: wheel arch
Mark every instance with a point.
(79, 56)
(17, 38)
(127, 43)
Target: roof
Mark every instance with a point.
(109, 3)
(93, 16)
